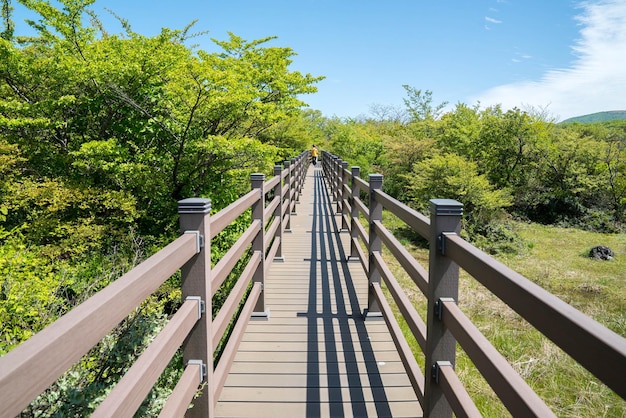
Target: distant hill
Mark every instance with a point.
(599, 117)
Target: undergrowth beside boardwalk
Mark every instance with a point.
(556, 259)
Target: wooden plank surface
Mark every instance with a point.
(316, 356)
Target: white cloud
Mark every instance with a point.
(596, 80)
(492, 20)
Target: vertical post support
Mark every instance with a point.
(288, 197)
(293, 186)
(443, 282)
(303, 170)
(258, 243)
(333, 179)
(278, 212)
(297, 168)
(329, 160)
(354, 214)
(345, 195)
(339, 185)
(196, 281)
(375, 245)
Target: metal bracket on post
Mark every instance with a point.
(441, 241)
(201, 304)
(199, 240)
(439, 306)
(265, 315)
(202, 365)
(435, 370)
(368, 316)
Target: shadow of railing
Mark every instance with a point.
(340, 310)
(439, 390)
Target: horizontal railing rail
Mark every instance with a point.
(576, 333)
(34, 365)
(30, 368)
(598, 349)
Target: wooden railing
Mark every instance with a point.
(29, 369)
(441, 393)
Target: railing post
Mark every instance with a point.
(375, 245)
(196, 281)
(443, 282)
(354, 215)
(293, 185)
(258, 243)
(326, 165)
(339, 185)
(278, 212)
(333, 179)
(288, 178)
(296, 186)
(304, 165)
(345, 195)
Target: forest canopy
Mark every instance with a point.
(131, 123)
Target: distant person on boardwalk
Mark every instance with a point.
(314, 154)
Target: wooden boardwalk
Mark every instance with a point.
(316, 356)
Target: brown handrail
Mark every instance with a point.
(416, 272)
(591, 344)
(127, 396)
(594, 346)
(182, 395)
(223, 367)
(226, 216)
(228, 309)
(410, 315)
(455, 392)
(31, 367)
(418, 222)
(223, 268)
(360, 205)
(34, 365)
(408, 360)
(504, 380)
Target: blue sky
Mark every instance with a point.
(566, 57)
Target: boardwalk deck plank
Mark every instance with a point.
(316, 356)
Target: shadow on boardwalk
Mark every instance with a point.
(339, 316)
(316, 356)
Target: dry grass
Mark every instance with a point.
(556, 260)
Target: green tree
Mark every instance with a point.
(354, 142)
(506, 145)
(404, 149)
(450, 176)
(419, 104)
(459, 131)
(297, 133)
(9, 27)
(572, 185)
(178, 119)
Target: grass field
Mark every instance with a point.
(556, 259)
